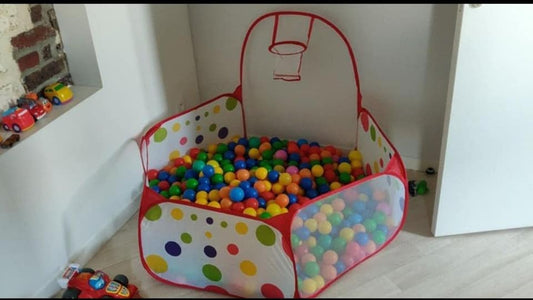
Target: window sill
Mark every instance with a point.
(81, 93)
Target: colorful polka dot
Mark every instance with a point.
(194, 217)
(381, 162)
(231, 103)
(208, 234)
(198, 128)
(199, 139)
(174, 154)
(233, 249)
(177, 214)
(271, 291)
(265, 235)
(241, 228)
(216, 109)
(372, 132)
(223, 132)
(156, 263)
(197, 118)
(206, 114)
(224, 224)
(248, 268)
(210, 251)
(186, 238)
(173, 248)
(212, 127)
(376, 167)
(176, 127)
(160, 135)
(211, 272)
(183, 140)
(187, 122)
(384, 149)
(209, 220)
(364, 121)
(379, 141)
(154, 213)
(368, 170)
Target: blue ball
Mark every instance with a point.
(251, 193)
(334, 231)
(339, 266)
(346, 223)
(218, 186)
(303, 233)
(189, 194)
(314, 144)
(156, 188)
(252, 180)
(306, 183)
(274, 139)
(358, 206)
(243, 141)
(163, 175)
(355, 219)
(273, 176)
(172, 178)
(371, 204)
(208, 171)
(262, 202)
(312, 210)
(305, 166)
(190, 173)
(229, 155)
(245, 185)
(361, 238)
(311, 193)
(250, 163)
(231, 146)
(323, 188)
(236, 194)
(367, 213)
(204, 180)
(204, 187)
(294, 157)
(383, 228)
(344, 159)
(240, 164)
(292, 198)
(301, 142)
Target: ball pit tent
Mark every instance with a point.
(293, 254)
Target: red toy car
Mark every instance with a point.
(35, 109)
(17, 119)
(86, 283)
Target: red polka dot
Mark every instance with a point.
(216, 289)
(368, 170)
(364, 121)
(233, 249)
(183, 140)
(271, 291)
(381, 162)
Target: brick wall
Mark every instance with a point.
(39, 51)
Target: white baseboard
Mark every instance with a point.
(51, 287)
(418, 164)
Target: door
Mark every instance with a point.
(486, 167)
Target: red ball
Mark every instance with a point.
(237, 158)
(164, 185)
(237, 206)
(268, 195)
(329, 167)
(294, 207)
(264, 139)
(188, 165)
(305, 148)
(315, 150)
(179, 162)
(357, 171)
(302, 200)
(331, 149)
(292, 147)
(251, 202)
(304, 159)
(193, 153)
(152, 174)
(330, 175)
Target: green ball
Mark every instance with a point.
(267, 154)
(335, 219)
(191, 183)
(228, 168)
(347, 212)
(379, 237)
(370, 225)
(321, 181)
(202, 156)
(314, 162)
(360, 176)
(225, 162)
(153, 182)
(293, 163)
(165, 194)
(254, 142)
(265, 215)
(344, 178)
(218, 157)
(311, 269)
(324, 241)
(222, 148)
(180, 172)
(217, 178)
(277, 145)
(379, 217)
(317, 251)
(198, 165)
(277, 162)
(295, 241)
(338, 245)
(174, 190)
(327, 160)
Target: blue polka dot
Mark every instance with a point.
(209, 220)
(210, 251)
(173, 248)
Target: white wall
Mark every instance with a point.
(71, 185)
(403, 54)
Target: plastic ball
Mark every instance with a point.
(273, 209)
(239, 164)
(379, 237)
(328, 272)
(324, 227)
(330, 257)
(317, 251)
(361, 238)
(189, 194)
(338, 204)
(250, 211)
(370, 247)
(152, 174)
(320, 216)
(306, 183)
(265, 215)
(163, 175)
(355, 219)
(282, 200)
(311, 268)
(163, 185)
(324, 241)
(317, 170)
(174, 190)
(285, 179)
(340, 267)
(370, 225)
(347, 234)
(214, 204)
(243, 174)
(236, 194)
(355, 155)
(273, 176)
(335, 218)
(281, 154)
(237, 206)
(295, 241)
(319, 281)
(384, 207)
(311, 241)
(359, 228)
(311, 224)
(327, 209)
(308, 257)
(338, 245)
(198, 165)
(309, 286)
(164, 194)
(261, 173)
(217, 178)
(379, 217)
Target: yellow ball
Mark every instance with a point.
(213, 195)
(228, 177)
(174, 197)
(214, 204)
(277, 188)
(273, 209)
(317, 170)
(356, 164)
(363, 197)
(234, 182)
(309, 286)
(187, 159)
(254, 153)
(218, 170)
(201, 194)
(212, 149)
(284, 210)
(347, 234)
(345, 167)
(324, 227)
(260, 210)
(213, 163)
(311, 224)
(268, 185)
(355, 155)
(311, 242)
(279, 168)
(285, 179)
(326, 209)
(250, 211)
(335, 185)
(201, 201)
(261, 173)
(319, 281)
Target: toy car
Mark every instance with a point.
(58, 93)
(8, 143)
(86, 283)
(17, 119)
(36, 110)
(47, 106)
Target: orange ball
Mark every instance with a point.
(265, 146)
(225, 203)
(325, 153)
(305, 173)
(314, 156)
(260, 186)
(296, 178)
(282, 200)
(224, 192)
(239, 150)
(293, 188)
(243, 174)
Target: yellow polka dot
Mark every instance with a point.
(177, 214)
(198, 128)
(241, 228)
(208, 234)
(376, 167)
(248, 268)
(216, 110)
(174, 154)
(156, 263)
(379, 141)
(176, 127)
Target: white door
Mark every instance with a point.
(486, 166)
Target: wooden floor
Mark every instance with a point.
(494, 264)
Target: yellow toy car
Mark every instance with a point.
(58, 93)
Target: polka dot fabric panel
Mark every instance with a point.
(376, 150)
(215, 251)
(214, 122)
(332, 235)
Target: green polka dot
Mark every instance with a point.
(194, 217)
(187, 122)
(186, 238)
(212, 127)
(156, 263)
(211, 272)
(231, 103)
(373, 132)
(154, 213)
(224, 224)
(265, 235)
(160, 135)
(206, 114)
(384, 149)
